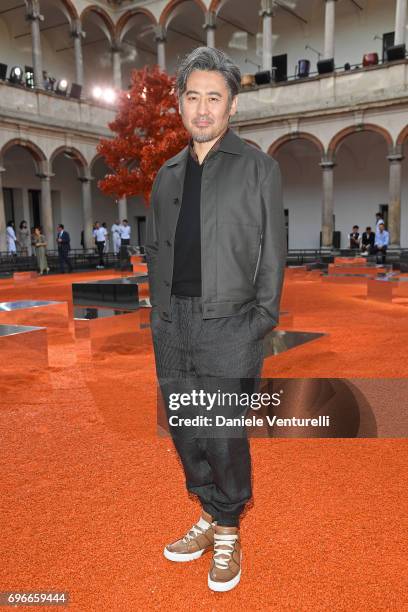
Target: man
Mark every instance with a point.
(367, 241)
(106, 247)
(354, 238)
(382, 240)
(378, 220)
(115, 232)
(100, 236)
(124, 232)
(215, 249)
(64, 246)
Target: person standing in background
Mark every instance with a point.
(115, 233)
(106, 247)
(11, 239)
(125, 231)
(64, 247)
(24, 238)
(378, 220)
(100, 237)
(40, 251)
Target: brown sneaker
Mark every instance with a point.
(225, 571)
(196, 542)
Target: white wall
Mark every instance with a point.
(66, 201)
(301, 182)
(360, 182)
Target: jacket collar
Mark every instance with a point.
(230, 143)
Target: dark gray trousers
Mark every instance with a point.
(212, 354)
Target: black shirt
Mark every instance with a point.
(187, 241)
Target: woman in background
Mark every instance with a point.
(40, 247)
(24, 238)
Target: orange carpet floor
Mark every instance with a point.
(90, 494)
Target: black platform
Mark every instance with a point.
(121, 293)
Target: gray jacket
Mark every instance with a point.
(243, 238)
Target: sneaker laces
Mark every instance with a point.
(195, 531)
(224, 545)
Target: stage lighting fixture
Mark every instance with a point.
(16, 75)
(104, 94)
(325, 66)
(62, 87)
(303, 68)
(29, 77)
(397, 52)
(3, 72)
(76, 91)
(97, 92)
(109, 96)
(263, 77)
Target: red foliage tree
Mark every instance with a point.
(148, 131)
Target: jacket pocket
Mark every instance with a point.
(238, 251)
(258, 260)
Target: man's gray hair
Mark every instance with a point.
(208, 58)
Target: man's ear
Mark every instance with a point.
(234, 105)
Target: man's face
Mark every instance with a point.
(204, 106)
(381, 227)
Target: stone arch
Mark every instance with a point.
(402, 136)
(95, 159)
(37, 153)
(353, 129)
(275, 146)
(76, 156)
(216, 5)
(107, 23)
(69, 8)
(168, 9)
(124, 21)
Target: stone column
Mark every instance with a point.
(122, 209)
(87, 215)
(33, 15)
(3, 220)
(117, 65)
(160, 38)
(266, 13)
(209, 26)
(400, 21)
(46, 206)
(78, 34)
(329, 23)
(394, 199)
(327, 203)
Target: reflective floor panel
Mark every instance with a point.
(41, 313)
(23, 347)
(279, 341)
